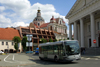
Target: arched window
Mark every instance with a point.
(38, 24)
(50, 27)
(65, 30)
(55, 28)
(60, 22)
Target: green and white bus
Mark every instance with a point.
(67, 50)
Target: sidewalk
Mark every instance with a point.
(91, 56)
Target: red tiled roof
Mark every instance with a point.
(8, 33)
(52, 18)
(44, 25)
(36, 26)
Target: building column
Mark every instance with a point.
(38, 42)
(75, 31)
(78, 28)
(70, 32)
(82, 32)
(92, 30)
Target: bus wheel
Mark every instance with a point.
(41, 58)
(55, 58)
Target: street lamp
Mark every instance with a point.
(29, 38)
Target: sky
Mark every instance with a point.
(22, 12)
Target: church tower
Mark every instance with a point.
(38, 20)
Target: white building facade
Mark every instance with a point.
(56, 24)
(85, 17)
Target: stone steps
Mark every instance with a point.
(92, 51)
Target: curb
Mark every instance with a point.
(90, 57)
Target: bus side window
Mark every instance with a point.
(50, 49)
(55, 49)
(42, 50)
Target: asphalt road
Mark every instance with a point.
(32, 60)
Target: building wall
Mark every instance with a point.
(3, 47)
(84, 12)
(85, 15)
(87, 33)
(60, 28)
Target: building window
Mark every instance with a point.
(89, 29)
(60, 22)
(55, 28)
(65, 30)
(38, 24)
(12, 43)
(50, 27)
(2, 43)
(6, 43)
(98, 25)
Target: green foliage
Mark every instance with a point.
(64, 39)
(60, 39)
(24, 40)
(16, 46)
(50, 40)
(16, 40)
(43, 40)
(55, 40)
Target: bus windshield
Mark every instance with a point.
(72, 47)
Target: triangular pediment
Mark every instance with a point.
(79, 4)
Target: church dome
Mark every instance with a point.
(38, 18)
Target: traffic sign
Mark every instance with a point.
(94, 41)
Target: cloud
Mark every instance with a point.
(16, 24)
(23, 12)
(4, 20)
(2, 8)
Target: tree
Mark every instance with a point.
(50, 40)
(60, 39)
(16, 46)
(43, 40)
(16, 40)
(55, 40)
(24, 40)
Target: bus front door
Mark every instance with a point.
(60, 52)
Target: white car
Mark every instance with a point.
(1, 52)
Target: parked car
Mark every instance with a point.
(1, 52)
(29, 52)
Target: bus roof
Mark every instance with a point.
(53, 43)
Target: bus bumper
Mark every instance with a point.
(72, 57)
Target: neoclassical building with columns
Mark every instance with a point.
(85, 17)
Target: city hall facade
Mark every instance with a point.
(85, 17)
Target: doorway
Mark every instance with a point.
(89, 42)
(99, 41)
